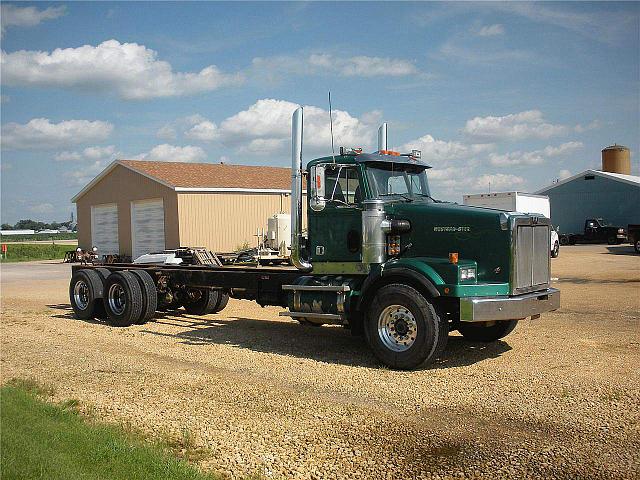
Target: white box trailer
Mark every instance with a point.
(516, 202)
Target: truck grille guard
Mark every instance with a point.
(530, 259)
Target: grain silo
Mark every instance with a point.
(616, 159)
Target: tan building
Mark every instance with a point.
(135, 207)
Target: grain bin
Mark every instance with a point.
(616, 159)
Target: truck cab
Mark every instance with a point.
(597, 230)
(385, 258)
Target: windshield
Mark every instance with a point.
(602, 222)
(387, 179)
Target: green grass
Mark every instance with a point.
(43, 440)
(38, 237)
(24, 252)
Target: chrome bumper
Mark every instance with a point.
(483, 309)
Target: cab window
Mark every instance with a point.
(342, 185)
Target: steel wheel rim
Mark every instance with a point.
(81, 294)
(117, 299)
(397, 328)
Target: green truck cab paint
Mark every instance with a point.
(438, 229)
(385, 258)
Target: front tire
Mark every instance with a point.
(479, 332)
(403, 328)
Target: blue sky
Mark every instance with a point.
(507, 95)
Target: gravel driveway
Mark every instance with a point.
(558, 398)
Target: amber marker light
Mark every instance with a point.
(453, 258)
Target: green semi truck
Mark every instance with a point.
(380, 256)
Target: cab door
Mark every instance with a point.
(335, 232)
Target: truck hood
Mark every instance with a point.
(475, 233)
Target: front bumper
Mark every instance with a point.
(483, 309)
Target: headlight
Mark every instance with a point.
(621, 230)
(468, 273)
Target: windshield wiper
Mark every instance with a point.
(429, 196)
(408, 199)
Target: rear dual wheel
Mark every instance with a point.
(85, 294)
(123, 300)
(209, 301)
(130, 297)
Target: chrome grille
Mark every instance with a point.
(531, 257)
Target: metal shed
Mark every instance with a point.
(135, 207)
(594, 194)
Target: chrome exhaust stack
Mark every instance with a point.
(296, 192)
(382, 137)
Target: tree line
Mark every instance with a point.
(34, 225)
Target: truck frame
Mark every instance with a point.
(380, 257)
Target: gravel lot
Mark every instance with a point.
(558, 398)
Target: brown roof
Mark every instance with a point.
(213, 175)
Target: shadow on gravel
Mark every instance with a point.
(461, 352)
(581, 281)
(619, 250)
(324, 344)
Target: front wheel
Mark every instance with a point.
(403, 329)
(556, 250)
(487, 331)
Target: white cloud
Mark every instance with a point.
(89, 153)
(608, 26)
(41, 208)
(40, 133)
(172, 153)
(204, 131)
(515, 126)
(441, 151)
(498, 181)
(85, 173)
(535, 157)
(590, 126)
(563, 174)
(128, 70)
(327, 64)
(12, 15)
(483, 55)
(265, 128)
(491, 30)
(167, 132)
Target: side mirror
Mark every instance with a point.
(317, 200)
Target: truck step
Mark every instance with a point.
(326, 317)
(317, 288)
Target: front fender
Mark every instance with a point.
(412, 271)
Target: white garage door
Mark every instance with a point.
(104, 229)
(147, 226)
